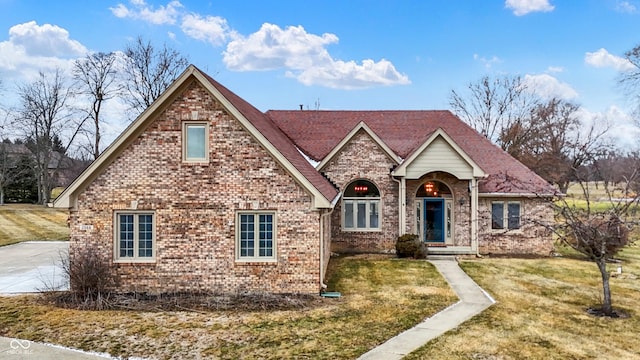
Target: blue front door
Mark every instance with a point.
(433, 220)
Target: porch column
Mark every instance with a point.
(402, 211)
(474, 214)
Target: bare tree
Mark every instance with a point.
(7, 163)
(598, 232)
(46, 117)
(560, 144)
(97, 76)
(9, 170)
(149, 72)
(630, 79)
(496, 106)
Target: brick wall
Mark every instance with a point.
(362, 158)
(195, 207)
(531, 238)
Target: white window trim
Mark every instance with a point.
(505, 216)
(256, 258)
(368, 201)
(116, 237)
(206, 142)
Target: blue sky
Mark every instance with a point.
(348, 54)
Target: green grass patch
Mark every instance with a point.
(21, 222)
(381, 297)
(541, 312)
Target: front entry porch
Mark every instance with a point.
(442, 213)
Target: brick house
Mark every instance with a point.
(203, 192)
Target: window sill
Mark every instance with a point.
(361, 230)
(196, 162)
(135, 261)
(256, 261)
(506, 231)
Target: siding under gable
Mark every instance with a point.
(439, 156)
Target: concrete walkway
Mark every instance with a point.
(14, 349)
(473, 300)
(31, 266)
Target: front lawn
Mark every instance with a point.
(22, 222)
(381, 296)
(541, 312)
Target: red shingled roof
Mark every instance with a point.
(316, 133)
(278, 139)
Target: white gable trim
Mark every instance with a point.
(361, 126)
(402, 169)
(68, 197)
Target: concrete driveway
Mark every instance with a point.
(32, 266)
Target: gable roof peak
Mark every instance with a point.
(257, 123)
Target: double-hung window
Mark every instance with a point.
(505, 215)
(256, 236)
(135, 236)
(195, 144)
(361, 207)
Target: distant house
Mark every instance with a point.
(205, 192)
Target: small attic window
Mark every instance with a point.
(194, 142)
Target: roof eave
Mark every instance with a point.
(517, 194)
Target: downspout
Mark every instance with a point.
(322, 218)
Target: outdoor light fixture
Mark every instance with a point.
(461, 201)
(428, 187)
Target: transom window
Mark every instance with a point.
(505, 215)
(361, 207)
(256, 236)
(134, 236)
(195, 145)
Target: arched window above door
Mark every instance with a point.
(361, 188)
(361, 207)
(433, 189)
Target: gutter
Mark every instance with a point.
(508, 195)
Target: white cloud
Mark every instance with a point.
(306, 58)
(32, 48)
(488, 62)
(141, 10)
(523, 7)
(555, 69)
(302, 55)
(212, 29)
(350, 75)
(548, 87)
(626, 7)
(622, 127)
(272, 47)
(45, 40)
(602, 58)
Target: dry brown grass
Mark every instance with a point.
(22, 222)
(541, 312)
(382, 296)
